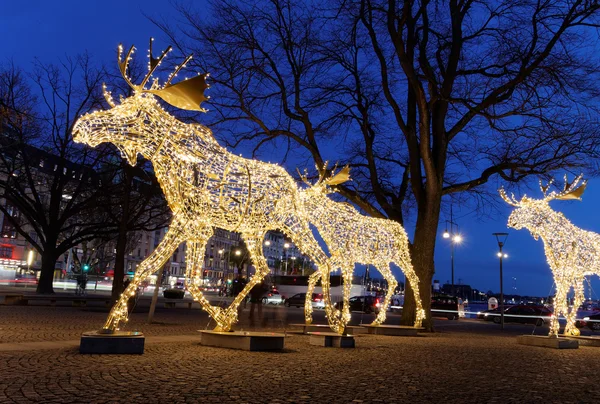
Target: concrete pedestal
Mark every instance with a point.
(331, 339)
(397, 330)
(310, 328)
(584, 340)
(547, 342)
(118, 342)
(247, 341)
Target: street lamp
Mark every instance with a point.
(285, 247)
(501, 239)
(455, 238)
(222, 253)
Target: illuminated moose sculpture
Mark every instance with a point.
(355, 238)
(570, 251)
(205, 186)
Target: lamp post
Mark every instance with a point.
(285, 248)
(455, 238)
(30, 255)
(501, 239)
(268, 243)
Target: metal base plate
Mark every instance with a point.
(310, 328)
(117, 342)
(584, 340)
(547, 342)
(247, 341)
(397, 330)
(331, 339)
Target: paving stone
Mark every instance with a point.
(450, 366)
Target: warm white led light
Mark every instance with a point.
(354, 238)
(570, 251)
(205, 185)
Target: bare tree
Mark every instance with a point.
(50, 186)
(423, 99)
(137, 204)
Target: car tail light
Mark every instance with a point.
(377, 303)
(317, 299)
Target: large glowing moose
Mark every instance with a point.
(354, 238)
(571, 252)
(205, 186)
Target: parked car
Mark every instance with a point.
(368, 304)
(592, 322)
(447, 306)
(298, 300)
(174, 293)
(273, 297)
(521, 313)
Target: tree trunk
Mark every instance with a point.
(49, 257)
(422, 251)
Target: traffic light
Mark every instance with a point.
(86, 267)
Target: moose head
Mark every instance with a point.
(325, 186)
(138, 124)
(534, 214)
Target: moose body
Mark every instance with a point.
(354, 238)
(205, 186)
(571, 252)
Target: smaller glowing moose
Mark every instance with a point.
(571, 252)
(355, 238)
(205, 186)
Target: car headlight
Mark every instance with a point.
(586, 319)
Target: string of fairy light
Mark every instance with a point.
(571, 252)
(205, 186)
(354, 238)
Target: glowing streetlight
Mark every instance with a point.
(501, 239)
(30, 258)
(455, 238)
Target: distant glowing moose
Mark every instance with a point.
(571, 252)
(354, 238)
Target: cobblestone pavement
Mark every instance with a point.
(465, 362)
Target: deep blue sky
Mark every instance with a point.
(50, 30)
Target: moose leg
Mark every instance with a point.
(560, 304)
(302, 236)
(384, 268)
(194, 260)
(151, 264)
(254, 243)
(347, 270)
(571, 328)
(308, 309)
(406, 266)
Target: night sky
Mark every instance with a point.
(50, 30)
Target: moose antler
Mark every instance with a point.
(342, 176)
(545, 188)
(512, 200)
(187, 94)
(572, 190)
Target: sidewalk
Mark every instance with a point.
(462, 363)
